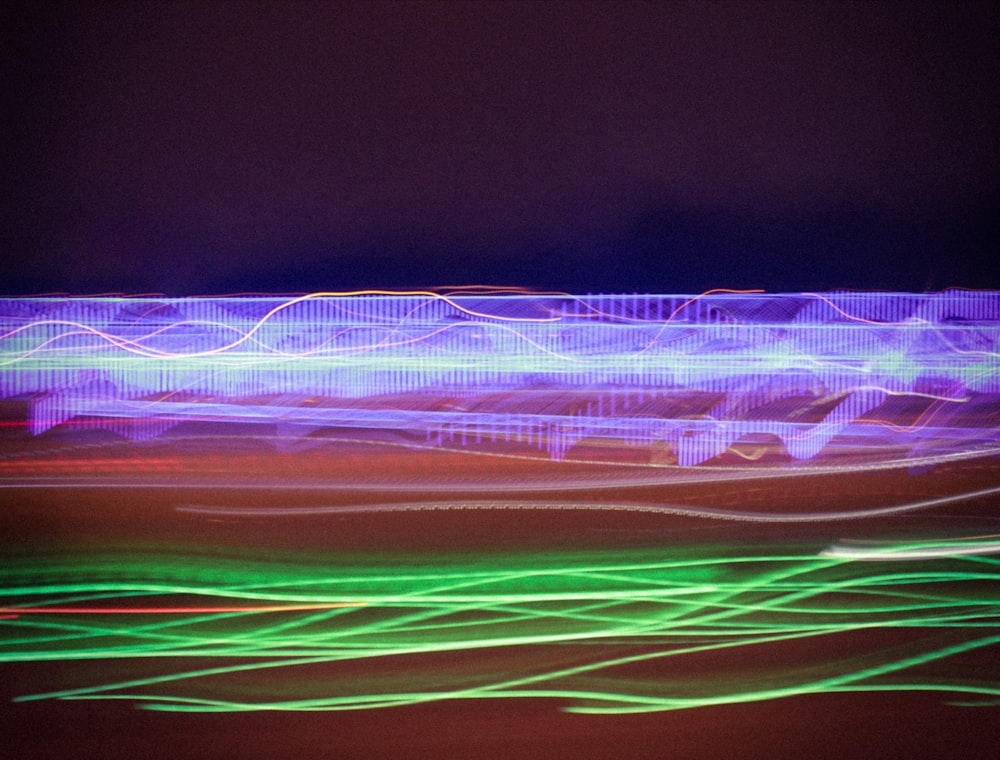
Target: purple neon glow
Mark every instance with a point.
(892, 376)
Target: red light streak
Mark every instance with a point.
(9, 613)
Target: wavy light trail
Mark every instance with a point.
(871, 376)
(791, 494)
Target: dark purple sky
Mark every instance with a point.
(659, 147)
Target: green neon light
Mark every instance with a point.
(613, 632)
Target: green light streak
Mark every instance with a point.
(623, 631)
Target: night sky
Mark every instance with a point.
(197, 148)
